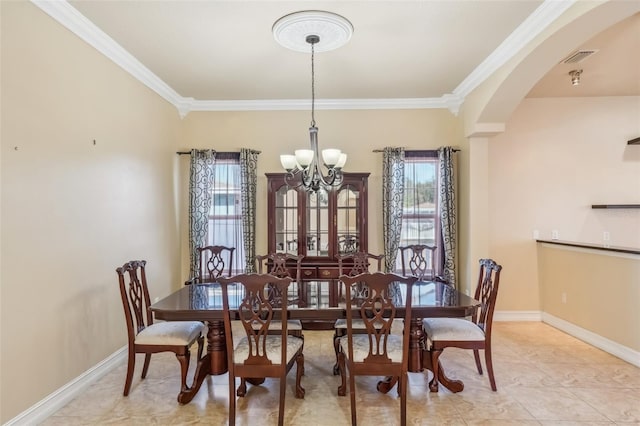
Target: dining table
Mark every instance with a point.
(312, 302)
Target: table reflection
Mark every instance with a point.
(316, 295)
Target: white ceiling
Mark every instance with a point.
(432, 51)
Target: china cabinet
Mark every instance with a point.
(319, 225)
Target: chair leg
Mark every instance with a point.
(145, 367)
(476, 355)
(342, 389)
(336, 346)
(232, 399)
(183, 359)
(200, 347)
(242, 389)
(489, 362)
(352, 393)
(402, 385)
(131, 366)
(283, 388)
(300, 367)
(299, 372)
(435, 364)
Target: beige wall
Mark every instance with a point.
(556, 158)
(601, 291)
(72, 211)
(357, 133)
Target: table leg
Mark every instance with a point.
(214, 362)
(217, 347)
(453, 385)
(420, 359)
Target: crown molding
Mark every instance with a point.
(77, 23)
(535, 23)
(450, 102)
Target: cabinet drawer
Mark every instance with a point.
(327, 272)
(307, 273)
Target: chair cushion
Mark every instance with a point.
(361, 347)
(452, 329)
(356, 324)
(177, 333)
(273, 346)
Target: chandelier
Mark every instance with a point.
(323, 31)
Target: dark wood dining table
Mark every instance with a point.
(311, 302)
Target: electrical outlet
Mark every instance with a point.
(536, 234)
(606, 236)
(564, 297)
(554, 234)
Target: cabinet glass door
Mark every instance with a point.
(348, 228)
(286, 220)
(317, 224)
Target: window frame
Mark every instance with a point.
(423, 156)
(223, 159)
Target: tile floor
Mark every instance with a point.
(544, 377)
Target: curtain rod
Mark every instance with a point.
(189, 152)
(382, 150)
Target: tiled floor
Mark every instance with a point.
(544, 377)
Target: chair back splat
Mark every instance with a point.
(418, 260)
(379, 351)
(352, 264)
(284, 265)
(259, 353)
(214, 262)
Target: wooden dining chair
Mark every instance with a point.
(472, 334)
(258, 354)
(378, 352)
(147, 337)
(419, 260)
(285, 265)
(352, 264)
(213, 262)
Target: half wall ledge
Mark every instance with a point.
(617, 249)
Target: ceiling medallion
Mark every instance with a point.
(292, 30)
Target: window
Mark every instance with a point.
(420, 213)
(225, 216)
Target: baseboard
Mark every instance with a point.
(61, 397)
(517, 316)
(615, 349)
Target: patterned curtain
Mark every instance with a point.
(448, 213)
(392, 203)
(200, 181)
(248, 185)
